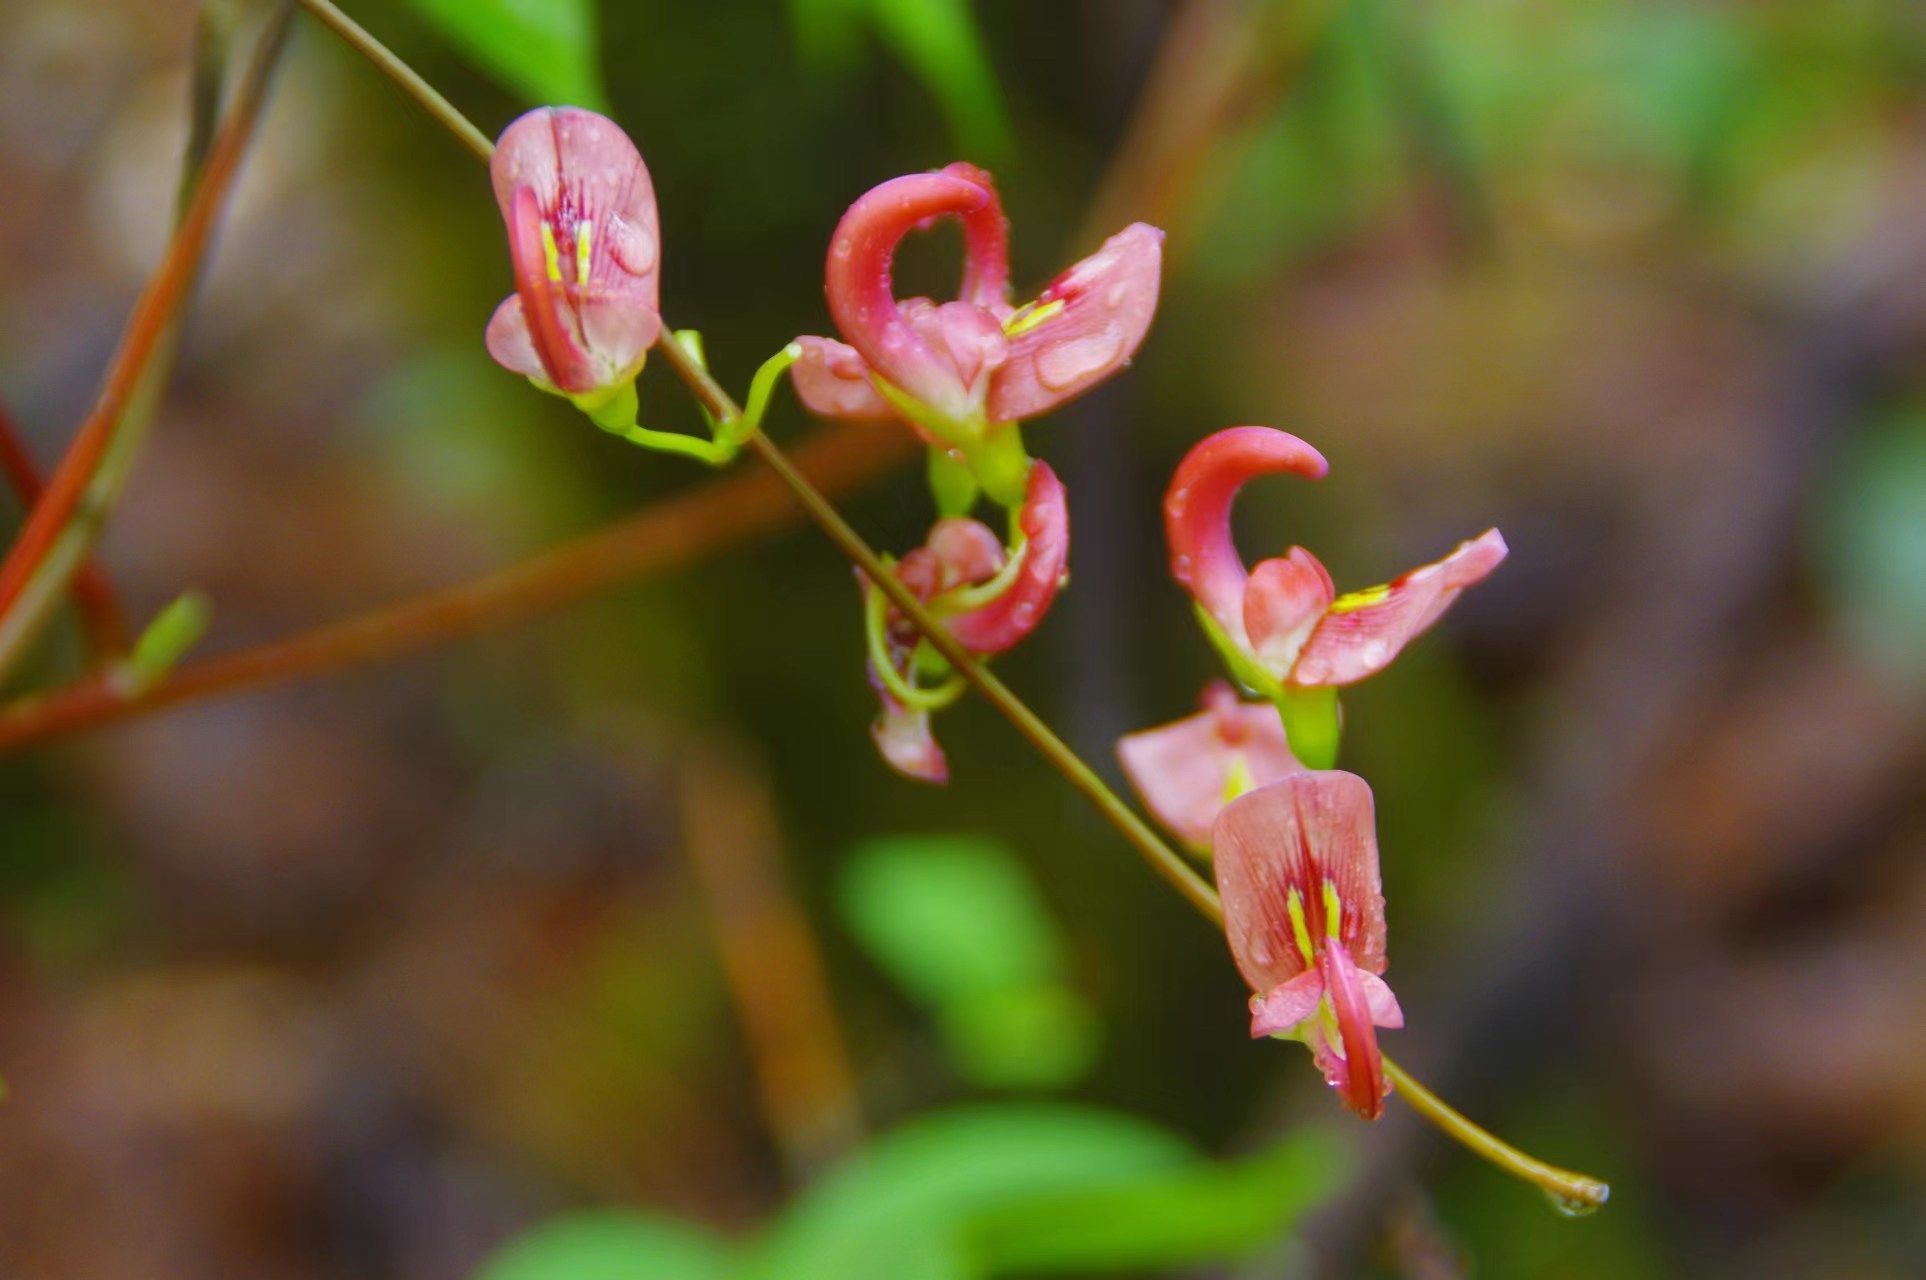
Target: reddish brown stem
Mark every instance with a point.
(100, 610)
(720, 514)
(152, 317)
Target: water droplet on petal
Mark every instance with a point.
(1180, 569)
(1065, 364)
(1114, 296)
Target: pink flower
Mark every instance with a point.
(583, 236)
(1285, 615)
(988, 596)
(1297, 865)
(1188, 770)
(952, 368)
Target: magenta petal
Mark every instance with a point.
(1283, 601)
(902, 736)
(1197, 508)
(1365, 630)
(1298, 833)
(861, 297)
(1182, 770)
(833, 382)
(1358, 1071)
(1287, 1005)
(1045, 522)
(1102, 308)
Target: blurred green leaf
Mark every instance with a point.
(1186, 1216)
(609, 1245)
(901, 1209)
(543, 49)
(940, 43)
(177, 628)
(956, 922)
(1873, 545)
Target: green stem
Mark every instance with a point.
(404, 76)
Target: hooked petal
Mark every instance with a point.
(1184, 770)
(1353, 1066)
(902, 735)
(1045, 522)
(1089, 321)
(1287, 1005)
(1197, 509)
(986, 246)
(1283, 601)
(832, 381)
(1298, 833)
(861, 298)
(1364, 630)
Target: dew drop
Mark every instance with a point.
(1114, 296)
(843, 248)
(1573, 1206)
(1065, 364)
(1180, 569)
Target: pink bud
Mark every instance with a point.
(1015, 613)
(585, 244)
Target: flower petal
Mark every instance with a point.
(509, 342)
(1090, 321)
(1298, 833)
(832, 381)
(1356, 1071)
(1283, 601)
(1183, 770)
(1383, 1002)
(1045, 522)
(1364, 630)
(902, 735)
(986, 246)
(1287, 1005)
(1197, 508)
(861, 299)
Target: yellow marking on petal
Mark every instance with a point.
(1300, 928)
(1352, 601)
(550, 254)
(584, 237)
(1333, 911)
(1030, 315)
(1238, 779)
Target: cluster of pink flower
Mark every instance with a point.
(1249, 785)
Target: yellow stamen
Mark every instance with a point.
(1333, 911)
(1029, 316)
(584, 237)
(1300, 928)
(1351, 601)
(1238, 779)
(550, 254)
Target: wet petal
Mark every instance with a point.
(1296, 834)
(1287, 1005)
(551, 322)
(1364, 630)
(1197, 509)
(1183, 770)
(986, 246)
(1359, 1067)
(833, 382)
(1088, 323)
(1045, 522)
(1283, 601)
(1383, 1003)
(509, 342)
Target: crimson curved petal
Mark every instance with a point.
(1357, 1070)
(1197, 509)
(1364, 630)
(1090, 321)
(1014, 614)
(1183, 770)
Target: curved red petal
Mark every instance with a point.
(1364, 631)
(1197, 509)
(1099, 311)
(1045, 521)
(1359, 1073)
(566, 363)
(986, 245)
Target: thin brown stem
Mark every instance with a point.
(720, 514)
(405, 77)
(148, 330)
(100, 609)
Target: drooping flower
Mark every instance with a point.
(586, 247)
(953, 368)
(988, 596)
(1297, 866)
(1285, 616)
(1188, 770)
